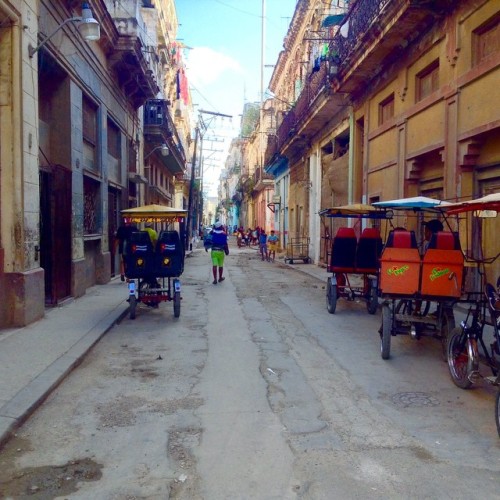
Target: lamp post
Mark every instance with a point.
(164, 151)
(89, 29)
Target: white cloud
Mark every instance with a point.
(206, 66)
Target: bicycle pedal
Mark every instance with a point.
(475, 376)
(493, 380)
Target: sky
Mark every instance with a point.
(223, 64)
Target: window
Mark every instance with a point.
(486, 41)
(113, 140)
(89, 130)
(91, 219)
(427, 81)
(386, 109)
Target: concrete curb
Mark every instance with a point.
(16, 411)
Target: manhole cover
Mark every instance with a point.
(418, 399)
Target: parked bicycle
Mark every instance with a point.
(476, 342)
(469, 345)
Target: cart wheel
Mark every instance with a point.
(497, 412)
(132, 305)
(385, 338)
(447, 325)
(372, 302)
(177, 304)
(460, 358)
(331, 296)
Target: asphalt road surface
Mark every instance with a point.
(256, 392)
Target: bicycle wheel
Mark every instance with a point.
(132, 305)
(331, 296)
(497, 412)
(372, 301)
(447, 325)
(385, 336)
(177, 304)
(461, 358)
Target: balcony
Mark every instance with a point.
(378, 32)
(262, 180)
(159, 128)
(134, 61)
(314, 108)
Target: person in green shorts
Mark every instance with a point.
(219, 250)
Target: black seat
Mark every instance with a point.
(344, 250)
(368, 250)
(169, 254)
(139, 259)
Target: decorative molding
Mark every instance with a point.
(468, 153)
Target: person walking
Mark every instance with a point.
(219, 250)
(272, 245)
(263, 245)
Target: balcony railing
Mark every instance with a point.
(315, 84)
(131, 56)
(159, 128)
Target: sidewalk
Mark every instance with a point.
(35, 359)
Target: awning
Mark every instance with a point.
(335, 20)
(357, 210)
(154, 213)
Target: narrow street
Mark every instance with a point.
(256, 392)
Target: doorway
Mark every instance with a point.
(55, 232)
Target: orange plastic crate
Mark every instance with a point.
(400, 271)
(442, 272)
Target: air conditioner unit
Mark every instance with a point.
(277, 199)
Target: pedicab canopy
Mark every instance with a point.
(487, 206)
(154, 213)
(415, 203)
(357, 210)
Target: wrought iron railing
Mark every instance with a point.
(156, 114)
(360, 18)
(316, 82)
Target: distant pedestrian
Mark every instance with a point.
(220, 249)
(263, 245)
(272, 245)
(153, 235)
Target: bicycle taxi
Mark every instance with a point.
(354, 262)
(153, 273)
(474, 346)
(410, 280)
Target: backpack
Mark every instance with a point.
(207, 241)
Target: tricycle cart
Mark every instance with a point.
(410, 282)
(476, 342)
(354, 262)
(298, 249)
(153, 273)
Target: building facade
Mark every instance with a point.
(387, 99)
(74, 138)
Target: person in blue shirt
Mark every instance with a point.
(263, 245)
(219, 250)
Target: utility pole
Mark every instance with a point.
(198, 136)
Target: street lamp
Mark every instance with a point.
(88, 27)
(164, 151)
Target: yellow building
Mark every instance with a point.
(401, 100)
